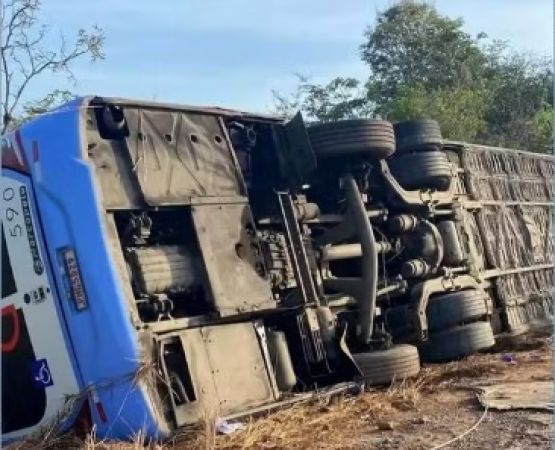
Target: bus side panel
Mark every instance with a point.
(515, 221)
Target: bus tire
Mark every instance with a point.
(384, 366)
(417, 135)
(457, 342)
(424, 170)
(454, 308)
(367, 138)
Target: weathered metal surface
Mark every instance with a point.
(118, 184)
(514, 190)
(237, 277)
(222, 361)
(295, 156)
(179, 155)
(207, 110)
(526, 395)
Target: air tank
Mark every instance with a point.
(281, 360)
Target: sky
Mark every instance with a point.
(233, 53)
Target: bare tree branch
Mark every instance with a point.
(25, 57)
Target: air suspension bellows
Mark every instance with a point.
(453, 252)
(403, 223)
(347, 251)
(415, 268)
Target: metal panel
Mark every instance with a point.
(296, 158)
(176, 155)
(238, 367)
(514, 189)
(194, 347)
(232, 257)
(227, 369)
(118, 184)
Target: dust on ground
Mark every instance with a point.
(425, 413)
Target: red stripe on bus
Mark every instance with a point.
(11, 344)
(101, 412)
(10, 159)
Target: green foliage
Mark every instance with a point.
(43, 105)
(50, 101)
(521, 87)
(411, 44)
(542, 129)
(422, 64)
(341, 98)
(459, 110)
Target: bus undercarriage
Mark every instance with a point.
(258, 259)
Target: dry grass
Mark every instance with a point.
(309, 425)
(312, 425)
(326, 423)
(537, 340)
(476, 366)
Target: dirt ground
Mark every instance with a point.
(425, 413)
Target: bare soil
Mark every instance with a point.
(425, 413)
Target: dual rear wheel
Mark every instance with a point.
(459, 326)
(457, 321)
(413, 148)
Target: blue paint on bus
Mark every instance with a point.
(104, 344)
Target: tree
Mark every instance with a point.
(25, 56)
(412, 44)
(459, 110)
(522, 89)
(341, 98)
(424, 65)
(542, 130)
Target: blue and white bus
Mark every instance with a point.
(165, 264)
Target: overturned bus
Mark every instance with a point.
(162, 264)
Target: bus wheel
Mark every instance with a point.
(423, 170)
(457, 342)
(417, 135)
(384, 366)
(454, 308)
(364, 138)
